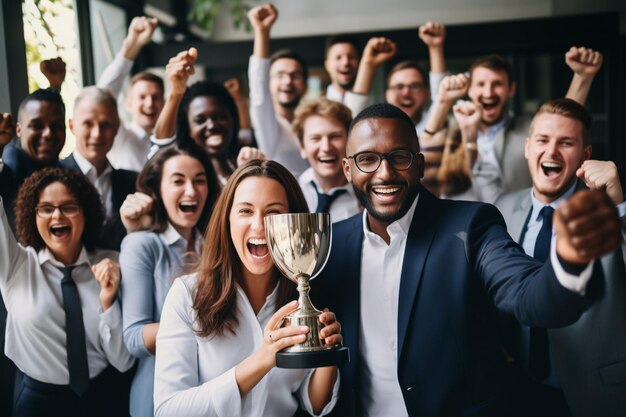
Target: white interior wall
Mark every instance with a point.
(320, 17)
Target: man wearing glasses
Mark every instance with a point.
(277, 84)
(416, 281)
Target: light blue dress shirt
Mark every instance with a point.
(149, 262)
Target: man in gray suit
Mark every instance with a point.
(491, 142)
(585, 362)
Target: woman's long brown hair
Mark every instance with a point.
(220, 269)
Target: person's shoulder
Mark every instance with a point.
(349, 224)
(13, 155)
(185, 285)
(519, 125)
(140, 240)
(126, 175)
(512, 197)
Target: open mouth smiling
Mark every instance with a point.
(257, 248)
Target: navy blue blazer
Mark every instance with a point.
(459, 267)
(122, 184)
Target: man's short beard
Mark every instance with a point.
(386, 218)
(348, 85)
(292, 104)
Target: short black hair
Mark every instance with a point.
(221, 94)
(342, 38)
(289, 54)
(382, 111)
(42, 94)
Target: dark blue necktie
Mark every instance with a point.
(77, 364)
(324, 201)
(539, 353)
(542, 244)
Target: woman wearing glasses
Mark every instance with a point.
(221, 326)
(64, 325)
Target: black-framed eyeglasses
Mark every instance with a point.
(369, 161)
(46, 211)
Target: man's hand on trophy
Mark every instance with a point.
(331, 332)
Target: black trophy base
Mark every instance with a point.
(302, 360)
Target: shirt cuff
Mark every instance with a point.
(225, 394)
(621, 207)
(1, 165)
(109, 320)
(306, 401)
(575, 283)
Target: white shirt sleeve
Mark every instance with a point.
(110, 329)
(305, 401)
(115, 74)
(262, 113)
(12, 254)
(576, 283)
(434, 79)
(176, 381)
(356, 102)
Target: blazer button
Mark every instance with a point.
(410, 388)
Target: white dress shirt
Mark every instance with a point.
(274, 134)
(195, 376)
(354, 101)
(381, 271)
(101, 182)
(132, 143)
(35, 334)
(346, 205)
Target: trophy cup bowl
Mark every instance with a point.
(299, 244)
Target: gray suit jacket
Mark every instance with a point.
(589, 356)
(509, 149)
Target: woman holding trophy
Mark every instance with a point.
(221, 326)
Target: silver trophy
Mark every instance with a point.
(299, 244)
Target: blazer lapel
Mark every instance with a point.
(418, 244)
(520, 214)
(351, 291)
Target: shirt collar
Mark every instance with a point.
(493, 129)
(45, 255)
(171, 237)
(538, 205)
(400, 226)
(309, 175)
(86, 167)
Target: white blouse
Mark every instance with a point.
(30, 283)
(195, 376)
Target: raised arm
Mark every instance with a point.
(262, 112)
(468, 116)
(262, 19)
(54, 70)
(452, 88)
(139, 34)
(602, 175)
(585, 63)
(377, 51)
(7, 130)
(178, 71)
(433, 34)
